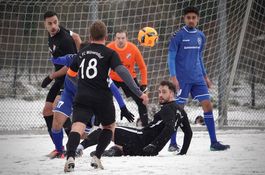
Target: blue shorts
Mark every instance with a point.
(198, 91)
(65, 105)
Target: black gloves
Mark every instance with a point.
(143, 88)
(150, 150)
(46, 82)
(127, 114)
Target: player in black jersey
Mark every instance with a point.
(61, 42)
(93, 97)
(152, 138)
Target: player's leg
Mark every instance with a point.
(181, 100)
(107, 120)
(47, 110)
(128, 141)
(81, 116)
(199, 91)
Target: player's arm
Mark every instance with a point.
(63, 60)
(207, 80)
(47, 80)
(126, 77)
(184, 124)
(143, 69)
(73, 70)
(168, 117)
(76, 39)
(171, 59)
(124, 111)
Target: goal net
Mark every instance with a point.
(233, 56)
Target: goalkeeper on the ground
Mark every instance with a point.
(150, 140)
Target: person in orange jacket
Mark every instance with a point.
(130, 56)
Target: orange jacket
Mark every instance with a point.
(129, 55)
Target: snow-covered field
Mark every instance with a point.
(24, 154)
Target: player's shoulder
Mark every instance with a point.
(201, 33)
(111, 44)
(170, 106)
(177, 34)
(131, 46)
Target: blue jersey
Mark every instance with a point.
(68, 84)
(185, 55)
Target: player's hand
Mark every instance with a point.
(208, 82)
(145, 99)
(46, 81)
(143, 88)
(150, 150)
(127, 114)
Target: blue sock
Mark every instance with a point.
(58, 139)
(173, 140)
(209, 121)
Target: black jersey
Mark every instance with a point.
(93, 64)
(159, 131)
(61, 44)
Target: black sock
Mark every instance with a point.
(73, 141)
(103, 141)
(67, 126)
(92, 139)
(48, 120)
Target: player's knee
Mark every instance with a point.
(207, 105)
(57, 123)
(110, 127)
(47, 110)
(78, 127)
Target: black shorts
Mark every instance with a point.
(125, 88)
(55, 90)
(130, 140)
(104, 112)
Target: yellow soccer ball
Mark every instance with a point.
(147, 36)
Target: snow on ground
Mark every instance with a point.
(17, 114)
(24, 154)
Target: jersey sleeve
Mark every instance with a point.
(168, 117)
(142, 66)
(172, 53)
(63, 60)
(73, 69)
(201, 54)
(115, 60)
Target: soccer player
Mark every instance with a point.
(63, 110)
(130, 56)
(93, 96)
(188, 73)
(61, 42)
(150, 140)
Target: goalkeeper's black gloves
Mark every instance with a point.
(143, 88)
(127, 114)
(150, 150)
(46, 82)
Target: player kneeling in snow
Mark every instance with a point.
(150, 140)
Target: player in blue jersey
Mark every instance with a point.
(63, 110)
(188, 73)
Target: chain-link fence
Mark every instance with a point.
(24, 56)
